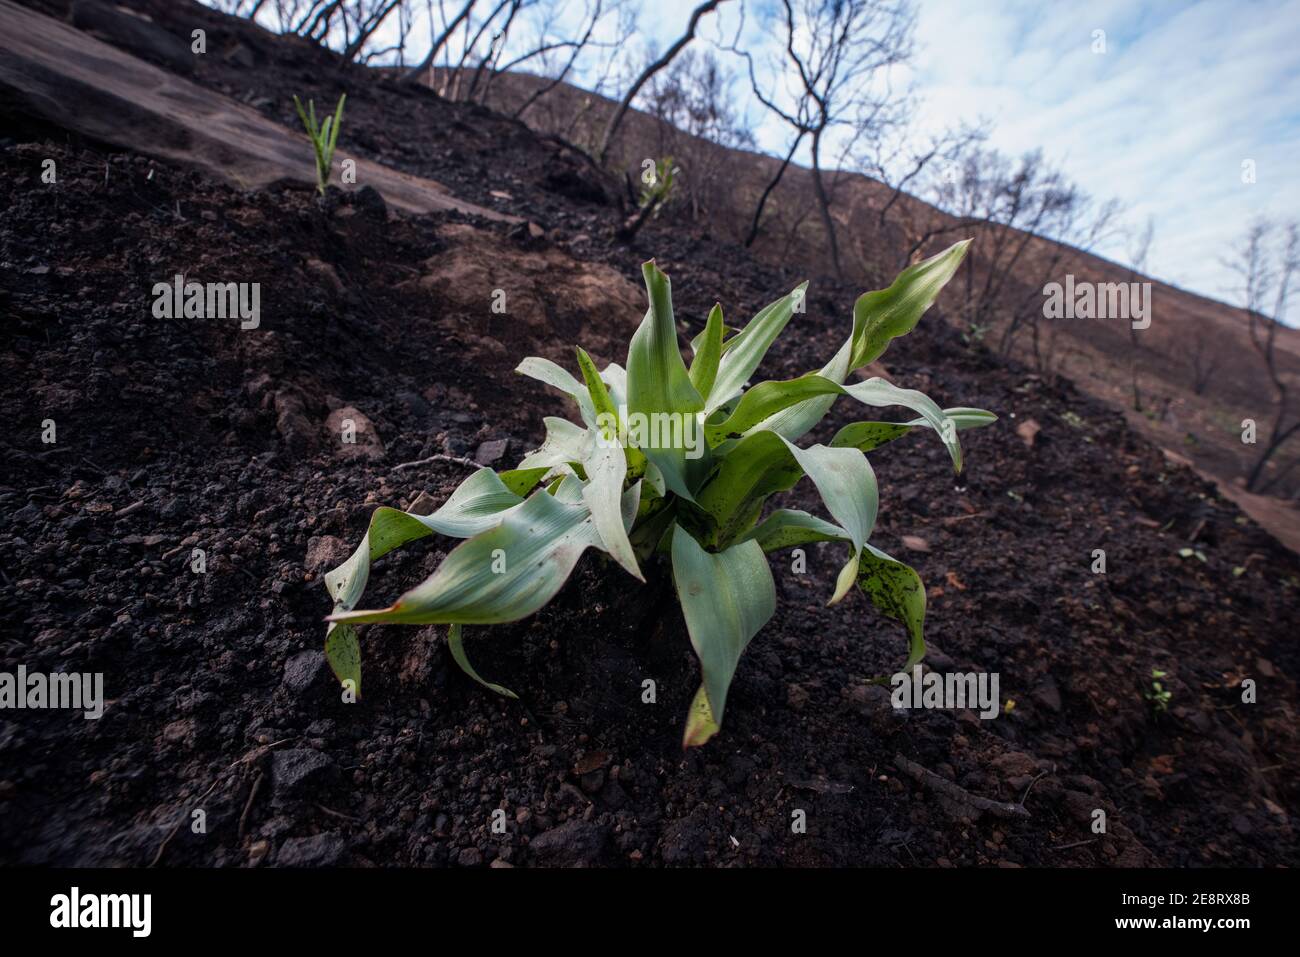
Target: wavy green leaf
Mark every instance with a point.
(456, 642)
(557, 377)
(896, 590)
(745, 350)
(657, 380)
(726, 598)
(878, 317)
(506, 573)
(847, 485)
(704, 366)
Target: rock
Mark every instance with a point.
(324, 552)
(872, 700)
(1047, 694)
(257, 852)
(352, 435)
(491, 451)
(133, 33)
(470, 857)
(302, 670)
(1028, 431)
(240, 56)
(324, 273)
(915, 543)
(417, 665)
(574, 843)
(424, 504)
(938, 661)
(1015, 764)
(298, 770)
(591, 761)
(292, 423)
(684, 841)
(319, 850)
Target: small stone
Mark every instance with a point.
(574, 843)
(257, 852)
(324, 552)
(1048, 695)
(352, 435)
(302, 670)
(179, 730)
(470, 857)
(1028, 431)
(297, 770)
(319, 850)
(424, 504)
(491, 451)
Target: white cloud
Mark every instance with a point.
(1162, 120)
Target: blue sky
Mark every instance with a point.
(1162, 120)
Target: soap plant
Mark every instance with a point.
(654, 196)
(681, 461)
(322, 136)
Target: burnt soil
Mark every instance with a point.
(177, 434)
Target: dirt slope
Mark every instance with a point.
(182, 434)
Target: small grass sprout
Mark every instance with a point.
(323, 137)
(1158, 695)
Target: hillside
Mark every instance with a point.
(1098, 355)
(181, 434)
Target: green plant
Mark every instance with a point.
(675, 461)
(1158, 696)
(655, 193)
(322, 137)
(659, 190)
(974, 334)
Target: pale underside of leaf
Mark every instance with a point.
(507, 572)
(726, 598)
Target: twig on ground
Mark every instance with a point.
(338, 814)
(1066, 847)
(954, 792)
(248, 805)
(1035, 781)
(252, 755)
(468, 463)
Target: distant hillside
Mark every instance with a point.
(720, 190)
